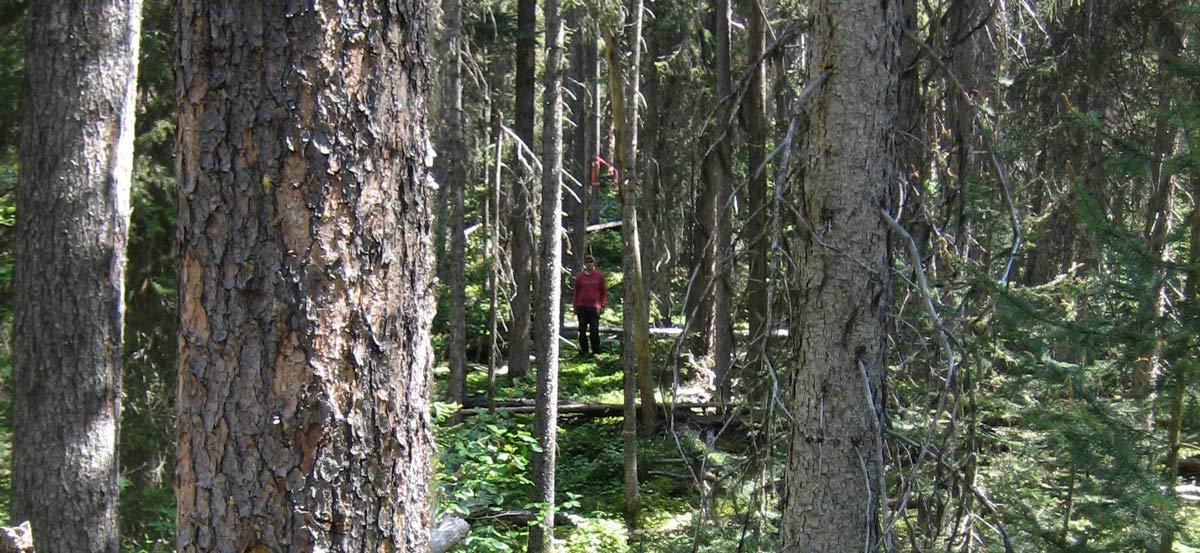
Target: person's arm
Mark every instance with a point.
(603, 291)
(575, 292)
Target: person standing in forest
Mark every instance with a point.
(591, 297)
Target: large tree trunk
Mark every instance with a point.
(520, 222)
(545, 420)
(69, 262)
(456, 173)
(304, 278)
(833, 494)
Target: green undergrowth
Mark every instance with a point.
(484, 462)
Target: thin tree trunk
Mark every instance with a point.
(1157, 226)
(545, 419)
(623, 88)
(972, 65)
(910, 140)
(1179, 370)
(636, 320)
(698, 307)
(493, 320)
(520, 224)
(76, 154)
(304, 279)
(833, 499)
(662, 227)
(650, 194)
(457, 182)
(1159, 206)
(721, 173)
(581, 161)
(757, 222)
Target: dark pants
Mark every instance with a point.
(589, 318)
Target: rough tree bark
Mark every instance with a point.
(520, 223)
(833, 498)
(304, 277)
(545, 419)
(76, 155)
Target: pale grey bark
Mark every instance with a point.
(623, 88)
(304, 223)
(833, 499)
(76, 155)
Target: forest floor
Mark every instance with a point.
(498, 447)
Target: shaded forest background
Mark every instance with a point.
(1043, 399)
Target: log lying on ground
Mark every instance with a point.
(522, 517)
(1188, 492)
(655, 332)
(588, 410)
(480, 401)
(664, 332)
(449, 531)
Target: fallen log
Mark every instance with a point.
(448, 532)
(592, 410)
(522, 517)
(477, 401)
(659, 332)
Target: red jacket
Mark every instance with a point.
(590, 290)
